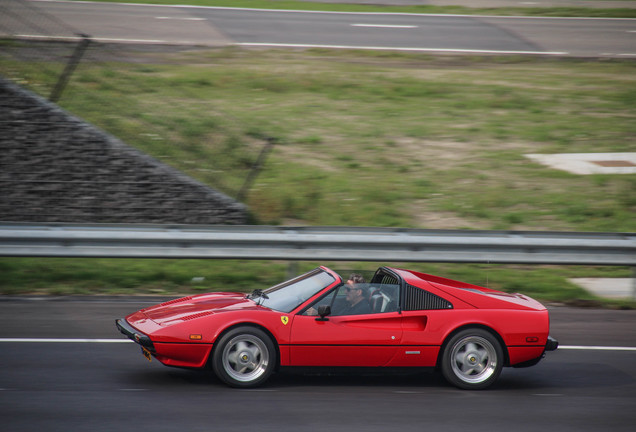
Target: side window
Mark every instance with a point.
(384, 297)
(418, 299)
(374, 298)
(326, 300)
(337, 300)
(351, 299)
(339, 303)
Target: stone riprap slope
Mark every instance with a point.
(55, 167)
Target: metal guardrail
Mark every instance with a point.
(316, 243)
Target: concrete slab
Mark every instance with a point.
(589, 163)
(613, 288)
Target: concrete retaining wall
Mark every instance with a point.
(55, 167)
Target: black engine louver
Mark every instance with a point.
(418, 299)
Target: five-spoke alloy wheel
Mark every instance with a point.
(472, 359)
(244, 357)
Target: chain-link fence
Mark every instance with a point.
(36, 47)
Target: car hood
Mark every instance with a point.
(192, 307)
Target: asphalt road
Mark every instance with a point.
(109, 22)
(104, 385)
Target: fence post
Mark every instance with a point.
(256, 168)
(70, 67)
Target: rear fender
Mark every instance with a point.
(474, 326)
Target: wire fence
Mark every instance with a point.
(36, 45)
(41, 53)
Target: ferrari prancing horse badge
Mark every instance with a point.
(284, 319)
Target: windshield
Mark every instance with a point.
(287, 296)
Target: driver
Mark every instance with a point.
(356, 299)
(356, 296)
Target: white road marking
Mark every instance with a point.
(61, 340)
(596, 348)
(384, 26)
(259, 390)
(180, 18)
(283, 45)
(453, 50)
(98, 39)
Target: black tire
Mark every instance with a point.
(244, 357)
(472, 359)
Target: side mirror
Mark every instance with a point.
(323, 311)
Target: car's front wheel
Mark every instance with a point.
(244, 357)
(472, 359)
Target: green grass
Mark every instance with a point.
(363, 139)
(93, 276)
(59, 276)
(423, 9)
(388, 140)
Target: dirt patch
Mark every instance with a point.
(427, 150)
(445, 220)
(306, 156)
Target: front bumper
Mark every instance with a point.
(134, 335)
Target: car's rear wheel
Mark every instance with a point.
(472, 359)
(244, 357)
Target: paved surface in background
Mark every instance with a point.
(578, 37)
(612, 288)
(494, 3)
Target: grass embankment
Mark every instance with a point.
(368, 139)
(382, 139)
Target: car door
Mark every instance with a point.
(425, 318)
(369, 339)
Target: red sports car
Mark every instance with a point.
(398, 319)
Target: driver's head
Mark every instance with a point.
(355, 289)
(355, 278)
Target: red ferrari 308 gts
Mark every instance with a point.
(399, 319)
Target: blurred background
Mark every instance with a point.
(422, 117)
(306, 136)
